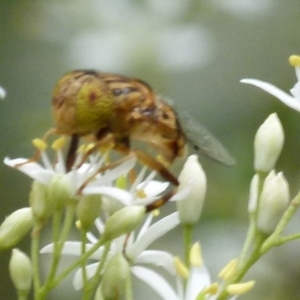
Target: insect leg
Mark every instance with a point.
(160, 202)
(71, 155)
(155, 165)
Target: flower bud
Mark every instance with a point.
(274, 200)
(253, 197)
(15, 227)
(115, 274)
(268, 144)
(88, 209)
(20, 271)
(193, 177)
(42, 208)
(59, 191)
(123, 221)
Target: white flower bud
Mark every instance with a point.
(268, 144)
(88, 209)
(274, 200)
(59, 191)
(115, 274)
(123, 221)
(253, 197)
(20, 271)
(15, 227)
(42, 208)
(193, 177)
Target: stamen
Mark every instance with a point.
(140, 193)
(39, 144)
(58, 144)
(155, 212)
(240, 288)
(212, 289)
(294, 60)
(181, 268)
(138, 179)
(78, 225)
(229, 270)
(195, 256)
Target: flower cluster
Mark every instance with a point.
(110, 201)
(109, 205)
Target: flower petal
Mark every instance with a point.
(275, 91)
(115, 173)
(295, 91)
(156, 282)
(123, 196)
(158, 258)
(90, 272)
(32, 169)
(198, 280)
(73, 248)
(154, 187)
(153, 233)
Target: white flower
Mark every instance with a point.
(268, 144)
(139, 193)
(190, 283)
(135, 249)
(190, 207)
(291, 101)
(48, 174)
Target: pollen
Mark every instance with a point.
(78, 225)
(229, 270)
(294, 60)
(58, 144)
(40, 144)
(89, 147)
(156, 212)
(141, 193)
(195, 255)
(212, 289)
(240, 288)
(81, 149)
(181, 268)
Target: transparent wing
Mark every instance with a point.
(201, 140)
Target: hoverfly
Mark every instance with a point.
(113, 107)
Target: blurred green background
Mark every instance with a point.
(194, 52)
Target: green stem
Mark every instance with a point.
(58, 245)
(90, 286)
(22, 295)
(56, 221)
(248, 241)
(77, 263)
(35, 250)
(128, 288)
(251, 260)
(83, 250)
(187, 234)
(275, 239)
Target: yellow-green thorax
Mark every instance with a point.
(82, 103)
